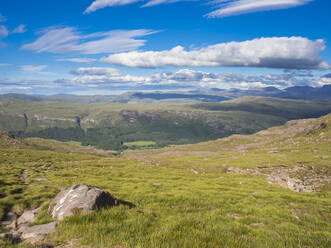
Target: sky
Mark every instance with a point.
(108, 47)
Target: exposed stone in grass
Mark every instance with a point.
(36, 233)
(40, 179)
(80, 198)
(28, 216)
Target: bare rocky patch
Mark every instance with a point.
(299, 178)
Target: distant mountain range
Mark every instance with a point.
(200, 95)
(217, 95)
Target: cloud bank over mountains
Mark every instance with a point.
(224, 8)
(96, 76)
(277, 52)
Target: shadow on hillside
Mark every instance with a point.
(126, 203)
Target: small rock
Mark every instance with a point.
(40, 179)
(194, 171)
(9, 219)
(157, 184)
(36, 233)
(28, 216)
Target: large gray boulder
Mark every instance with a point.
(80, 198)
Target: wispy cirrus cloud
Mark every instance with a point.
(3, 34)
(20, 29)
(77, 60)
(100, 4)
(33, 68)
(237, 7)
(2, 18)
(276, 52)
(158, 2)
(224, 8)
(3, 31)
(64, 40)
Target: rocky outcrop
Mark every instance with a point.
(298, 178)
(20, 229)
(80, 198)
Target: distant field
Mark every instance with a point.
(139, 144)
(76, 143)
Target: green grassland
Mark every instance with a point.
(182, 195)
(109, 125)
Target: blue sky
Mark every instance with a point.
(113, 46)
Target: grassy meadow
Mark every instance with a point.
(181, 196)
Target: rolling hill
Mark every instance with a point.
(269, 189)
(112, 125)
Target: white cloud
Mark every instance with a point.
(324, 80)
(3, 34)
(33, 68)
(224, 8)
(238, 7)
(20, 29)
(96, 71)
(100, 4)
(282, 52)
(3, 31)
(103, 77)
(2, 18)
(78, 60)
(5, 65)
(158, 2)
(69, 40)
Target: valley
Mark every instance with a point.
(111, 125)
(269, 189)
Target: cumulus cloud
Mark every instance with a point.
(107, 79)
(327, 75)
(78, 60)
(20, 29)
(325, 80)
(69, 40)
(238, 7)
(96, 71)
(103, 76)
(282, 52)
(224, 8)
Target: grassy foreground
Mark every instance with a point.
(183, 196)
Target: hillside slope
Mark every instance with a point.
(111, 125)
(221, 193)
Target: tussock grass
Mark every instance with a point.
(174, 206)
